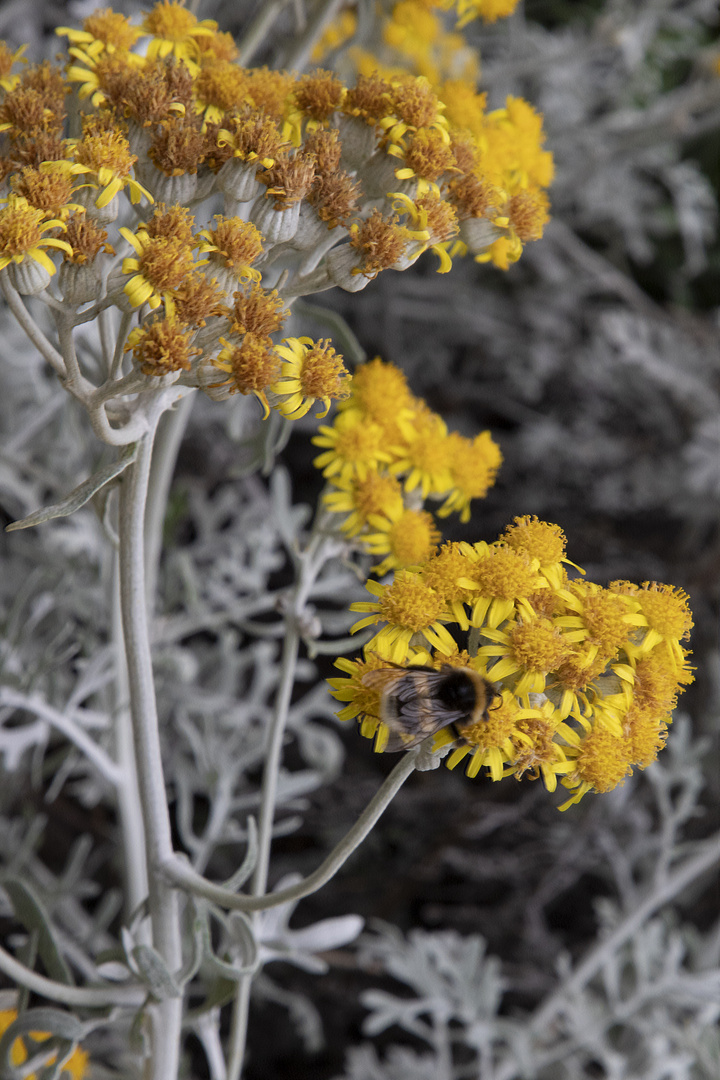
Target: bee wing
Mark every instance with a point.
(409, 707)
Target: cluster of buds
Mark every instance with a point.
(585, 678)
(385, 455)
(199, 197)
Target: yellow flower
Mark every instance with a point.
(8, 81)
(105, 157)
(404, 536)
(409, 607)
(233, 246)
(175, 32)
(21, 229)
(474, 464)
(376, 493)
(311, 371)
(162, 346)
(533, 647)
(104, 30)
(161, 266)
(504, 579)
(542, 541)
(668, 616)
(252, 365)
(355, 445)
(604, 621)
(425, 456)
(491, 742)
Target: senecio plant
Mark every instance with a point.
(179, 201)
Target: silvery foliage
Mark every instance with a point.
(642, 1004)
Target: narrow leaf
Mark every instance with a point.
(81, 494)
(30, 912)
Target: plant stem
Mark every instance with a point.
(163, 899)
(167, 445)
(33, 331)
(186, 878)
(128, 794)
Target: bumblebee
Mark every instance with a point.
(417, 701)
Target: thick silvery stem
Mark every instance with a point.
(163, 900)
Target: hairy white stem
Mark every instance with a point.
(163, 899)
(179, 872)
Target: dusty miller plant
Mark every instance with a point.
(87, 718)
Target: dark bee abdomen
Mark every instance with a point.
(457, 692)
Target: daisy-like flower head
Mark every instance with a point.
(444, 572)
(105, 77)
(406, 538)
(376, 493)
(426, 157)
(382, 241)
(537, 753)
(252, 136)
(571, 686)
(527, 214)
(252, 366)
(26, 109)
(232, 245)
(175, 31)
(334, 197)
(424, 457)
(604, 621)
(600, 761)
(257, 312)
(86, 240)
(369, 100)
(353, 446)
(160, 267)
(380, 391)
(170, 222)
(311, 371)
(528, 649)
(431, 214)
(315, 97)
(656, 684)
(491, 743)
(504, 579)
(21, 234)
(669, 619)
(413, 105)
(362, 700)
(162, 346)
(8, 59)
(408, 607)
(49, 189)
(104, 30)
(474, 465)
(288, 180)
(268, 91)
(104, 157)
(542, 541)
(197, 299)
(178, 146)
(219, 87)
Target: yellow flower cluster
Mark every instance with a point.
(498, 191)
(385, 454)
(75, 1067)
(586, 677)
(321, 184)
